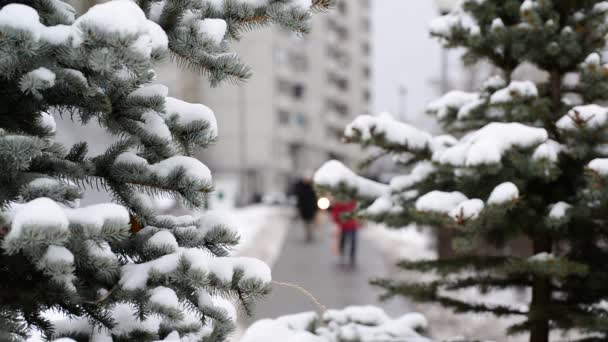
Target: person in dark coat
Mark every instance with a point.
(348, 227)
(306, 202)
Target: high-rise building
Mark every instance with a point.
(288, 118)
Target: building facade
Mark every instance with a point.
(288, 119)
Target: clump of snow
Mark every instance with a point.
(600, 166)
(333, 173)
(541, 257)
(95, 217)
(126, 318)
(503, 193)
(164, 239)
(380, 206)
(367, 127)
(419, 173)
(57, 254)
(188, 113)
(515, 90)
(151, 90)
(213, 29)
(440, 202)
(444, 25)
(453, 100)
(494, 82)
(154, 124)
(193, 168)
(100, 250)
(164, 297)
(364, 324)
(589, 116)
(47, 121)
(559, 210)
(467, 210)
(41, 217)
(528, 6)
(488, 144)
(593, 60)
(21, 17)
(549, 150)
(497, 24)
(600, 7)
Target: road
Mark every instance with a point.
(315, 267)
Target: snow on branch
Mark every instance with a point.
(385, 132)
(489, 144)
(334, 175)
(584, 117)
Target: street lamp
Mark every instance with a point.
(445, 7)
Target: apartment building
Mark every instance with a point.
(288, 118)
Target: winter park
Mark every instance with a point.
(304, 170)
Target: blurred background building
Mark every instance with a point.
(288, 118)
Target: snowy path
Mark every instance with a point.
(315, 267)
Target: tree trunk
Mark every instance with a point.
(541, 298)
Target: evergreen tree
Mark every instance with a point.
(119, 271)
(525, 158)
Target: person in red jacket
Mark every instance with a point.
(348, 227)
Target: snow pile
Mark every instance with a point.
(503, 193)
(467, 210)
(440, 202)
(363, 324)
(589, 116)
(541, 257)
(548, 150)
(193, 168)
(600, 166)
(380, 206)
(334, 174)
(48, 122)
(213, 29)
(366, 128)
(135, 276)
(488, 144)
(419, 173)
(188, 113)
(457, 20)
(115, 19)
(454, 100)
(515, 90)
(559, 210)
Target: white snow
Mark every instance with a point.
(453, 100)
(333, 173)
(192, 167)
(593, 60)
(503, 193)
(188, 113)
(528, 5)
(380, 206)
(21, 17)
(591, 116)
(57, 254)
(95, 217)
(559, 210)
(164, 297)
(126, 318)
(419, 173)
(467, 210)
(100, 250)
(490, 143)
(600, 7)
(155, 125)
(213, 29)
(151, 90)
(549, 150)
(47, 121)
(253, 269)
(164, 239)
(494, 82)
(515, 90)
(497, 24)
(444, 25)
(440, 202)
(367, 127)
(42, 216)
(600, 166)
(541, 257)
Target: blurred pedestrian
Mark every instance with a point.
(340, 212)
(306, 202)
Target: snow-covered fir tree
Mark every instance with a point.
(119, 271)
(523, 159)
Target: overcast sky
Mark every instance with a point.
(404, 54)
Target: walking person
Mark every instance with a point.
(306, 202)
(348, 228)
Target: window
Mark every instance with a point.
(283, 117)
(337, 81)
(301, 120)
(342, 8)
(297, 91)
(340, 108)
(367, 96)
(366, 47)
(367, 73)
